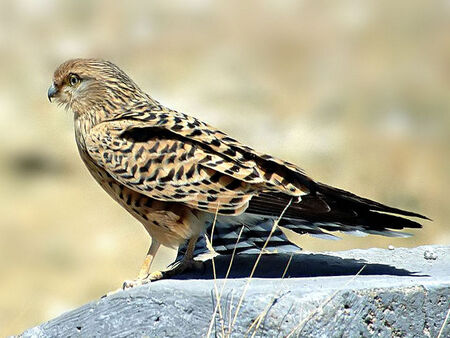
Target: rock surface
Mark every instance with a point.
(399, 293)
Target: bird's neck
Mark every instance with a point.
(83, 123)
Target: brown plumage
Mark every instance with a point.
(173, 172)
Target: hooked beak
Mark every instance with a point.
(52, 92)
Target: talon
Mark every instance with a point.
(128, 284)
(154, 276)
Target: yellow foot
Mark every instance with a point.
(154, 276)
(174, 270)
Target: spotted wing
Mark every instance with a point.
(173, 157)
(152, 162)
(277, 175)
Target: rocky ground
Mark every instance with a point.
(394, 292)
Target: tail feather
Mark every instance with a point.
(333, 209)
(255, 231)
(341, 194)
(322, 213)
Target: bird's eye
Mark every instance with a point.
(74, 79)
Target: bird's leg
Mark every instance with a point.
(144, 273)
(185, 264)
(145, 268)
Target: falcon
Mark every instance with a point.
(178, 175)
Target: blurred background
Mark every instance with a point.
(356, 93)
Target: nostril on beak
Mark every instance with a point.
(51, 92)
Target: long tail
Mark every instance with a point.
(332, 209)
(321, 214)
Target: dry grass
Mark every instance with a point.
(443, 324)
(298, 329)
(218, 294)
(232, 319)
(226, 331)
(260, 318)
(275, 224)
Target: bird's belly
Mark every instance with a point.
(169, 223)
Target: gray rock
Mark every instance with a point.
(398, 293)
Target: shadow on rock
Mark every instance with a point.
(302, 265)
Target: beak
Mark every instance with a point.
(52, 92)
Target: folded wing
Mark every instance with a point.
(174, 157)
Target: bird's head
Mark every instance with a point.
(84, 85)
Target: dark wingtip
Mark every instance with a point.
(414, 214)
(426, 218)
(370, 204)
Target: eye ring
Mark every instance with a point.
(74, 79)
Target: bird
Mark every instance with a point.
(178, 176)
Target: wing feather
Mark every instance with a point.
(277, 174)
(167, 169)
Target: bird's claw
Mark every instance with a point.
(154, 276)
(175, 269)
